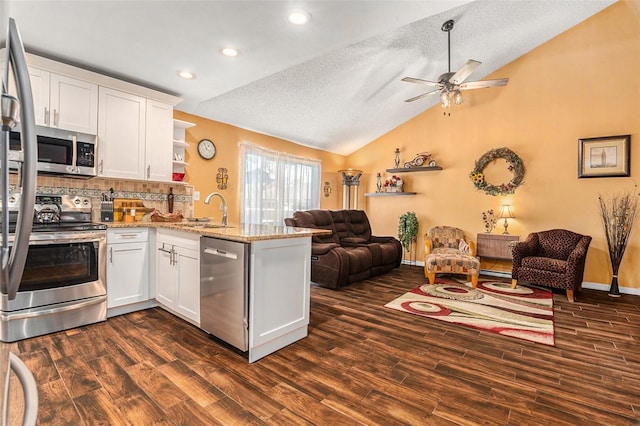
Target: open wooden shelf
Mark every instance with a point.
(414, 169)
(387, 194)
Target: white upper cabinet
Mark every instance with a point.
(134, 137)
(63, 102)
(159, 141)
(121, 134)
(39, 80)
(134, 124)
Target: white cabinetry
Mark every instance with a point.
(158, 144)
(134, 136)
(121, 134)
(178, 273)
(63, 102)
(127, 268)
(180, 145)
(278, 302)
(73, 103)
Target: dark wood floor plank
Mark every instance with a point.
(194, 386)
(248, 396)
(361, 364)
(96, 408)
(41, 365)
(113, 377)
(55, 405)
(77, 375)
(228, 412)
(306, 406)
(160, 389)
(139, 409)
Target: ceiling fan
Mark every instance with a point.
(450, 83)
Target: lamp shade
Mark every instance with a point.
(505, 212)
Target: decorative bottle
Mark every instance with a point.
(170, 200)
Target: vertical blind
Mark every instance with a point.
(276, 184)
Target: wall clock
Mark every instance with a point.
(206, 149)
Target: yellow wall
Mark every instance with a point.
(583, 83)
(202, 173)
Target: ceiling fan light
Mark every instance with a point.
(444, 99)
(457, 98)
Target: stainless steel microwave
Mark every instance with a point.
(63, 156)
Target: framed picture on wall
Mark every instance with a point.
(604, 157)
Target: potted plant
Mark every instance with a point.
(618, 213)
(407, 229)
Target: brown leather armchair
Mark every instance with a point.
(553, 258)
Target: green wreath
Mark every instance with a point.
(515, 165)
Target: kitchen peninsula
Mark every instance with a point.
(247, 285)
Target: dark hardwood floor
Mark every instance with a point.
(360, 364)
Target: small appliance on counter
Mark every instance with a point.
(106, 207)
(106, 211)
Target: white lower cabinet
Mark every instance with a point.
(177, 257)
(127, 267)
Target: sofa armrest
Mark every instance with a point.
(526, 248)
(319, 249)
(381, 240)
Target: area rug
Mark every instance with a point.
(524, 312)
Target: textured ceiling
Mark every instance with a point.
(333, 84)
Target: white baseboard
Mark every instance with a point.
(585, 284)
(605, 287)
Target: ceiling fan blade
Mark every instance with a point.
(422, 96)
(464, 72)
(420, 81)
(484, 84)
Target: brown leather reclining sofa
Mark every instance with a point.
(350, 253)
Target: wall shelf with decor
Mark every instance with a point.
(387, 194)
(179, 148)
(414, 169)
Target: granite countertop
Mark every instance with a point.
(245, 233)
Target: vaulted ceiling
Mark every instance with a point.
(333, 84)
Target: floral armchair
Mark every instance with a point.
(553, 258)
(448, 251)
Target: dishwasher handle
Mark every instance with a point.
(221, 253)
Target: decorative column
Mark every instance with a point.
(350, 178)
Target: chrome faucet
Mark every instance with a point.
(224, 205)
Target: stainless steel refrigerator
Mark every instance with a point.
(16, 107)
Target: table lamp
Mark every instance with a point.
(505, 212)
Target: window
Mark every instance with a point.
(276, 184)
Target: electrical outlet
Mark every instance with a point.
(196, 195)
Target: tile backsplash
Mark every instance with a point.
(152, 194)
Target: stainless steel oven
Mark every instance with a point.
(63, 283)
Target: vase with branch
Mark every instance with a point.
(618, 212)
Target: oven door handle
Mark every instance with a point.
(49, 241)
(69, 306)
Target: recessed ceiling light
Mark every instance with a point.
(299, 17)
(229, 51)
(186, 75)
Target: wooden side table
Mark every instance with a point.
(496, 246)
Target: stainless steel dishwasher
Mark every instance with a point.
(224, 291)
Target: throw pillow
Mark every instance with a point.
(463, 247)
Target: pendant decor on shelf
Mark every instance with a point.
(222, 178)
(516, 166)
